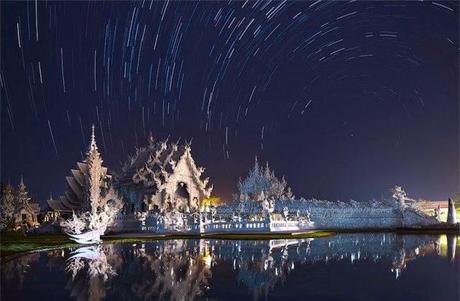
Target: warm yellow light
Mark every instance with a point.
(207, 260)
(443, 245)
(211, 201)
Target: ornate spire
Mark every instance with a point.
(150, 139)
(93, 154)
(92, 145)
(256, 165)
(22, 186)
(23, 197)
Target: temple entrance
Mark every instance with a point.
(182, 197)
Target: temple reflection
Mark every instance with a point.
(183, 269)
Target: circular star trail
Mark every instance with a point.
(344, 98)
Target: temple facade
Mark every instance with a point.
(26, 210)
(162, 177)
(18, 210)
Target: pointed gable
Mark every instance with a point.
(158, 170)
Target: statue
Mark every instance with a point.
(285, 213)
(437, 213)
(451, 214)
(213, 213)
(267, 207)
(399, 195)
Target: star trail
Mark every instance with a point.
(345, 98)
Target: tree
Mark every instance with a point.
(456, 200)
(7, 206)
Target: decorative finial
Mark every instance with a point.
(22, 180)
(92, 133)
(92, 145)
(150, 139)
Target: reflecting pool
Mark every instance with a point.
(372, 266)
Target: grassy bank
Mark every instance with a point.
(12, 244)
(16, 243)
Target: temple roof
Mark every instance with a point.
(152, 165)
(31, 207)
(62, 204)
(162, 151)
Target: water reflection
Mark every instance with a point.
(183, 269)
(90, 270)
(451, 246)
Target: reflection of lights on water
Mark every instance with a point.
(443, 244)
(448, 245)
(207, 260)
(397, 272)
(197, 259)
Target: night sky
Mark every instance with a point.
(346, 99)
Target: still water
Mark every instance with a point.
(375, 266)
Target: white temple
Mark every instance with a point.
(162, 177)
(77, 194)
(161, 190)
(91, 198)
(17, 209)
(163, 193)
